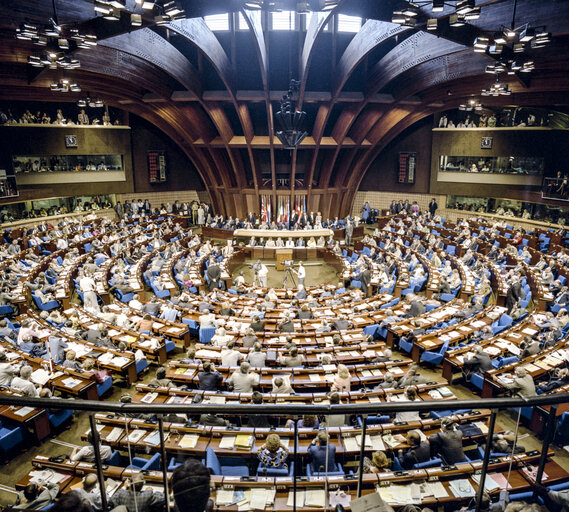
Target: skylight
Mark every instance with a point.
(217, 22)
(349, 23)
(284, 20)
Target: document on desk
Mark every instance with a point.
(114, 434)
(350, 444)
(436, 489)
(462, 488)
(40, 376)
(368, 444)
(70, 382)
(243, 441)
(24, 411)
(529, 331)
(189, 440)
(258, 499)
(227, 442)
(478, 324)
(149, 398)
(377, 442)
(153, 438)
(300, 497)
(315, 498)
(136, 435)
(489, 484)
(46, 476)
(119, 361)
(223, 496)
(314, 377)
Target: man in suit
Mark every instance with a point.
(213, 272)
(341, 324)
(418, 452)
(514, 294)
(293, 220)
(57, 348)
(479, 363)
(433, 206)
(36, 497)
(563, 297)
(365, 279)
(322, 451)
(348, 233)
(523, 384)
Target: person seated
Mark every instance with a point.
(412, 378)
(418, 451)
(257, 324)
(87, 453)
(335, 420)
(447, 443)
(37, 496)
(191, 357)
(23, 383)
(160, 379)
(522, 384)
(272, 453)
(71, 361)
(209, 379)
(560, 377)
(135, 499)
(292, 360)
(410, 395)
(342, 382)
(242, 381)
(281, 385)
(479, 363)
(322, 453)
(257, 357)
(305, 313)
(230, 356)
(379, 463)
(191, 487)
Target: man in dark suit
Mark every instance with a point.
(365, 279)
(479, 363)
(417, 452)
(514, 294)
(213, 273)
(293, 220)
(433, 207)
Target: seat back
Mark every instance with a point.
(212, 462)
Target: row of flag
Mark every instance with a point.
(284, 210)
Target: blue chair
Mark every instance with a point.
(124, 297)
(434, 356)
(374, 420)
(442, 414)
(339, 471)
(206, 334)
(170, 346)
(114, 460)
(173, 464)
(48, 306)
(6, 310)
(371, 330)
(446, 297)
(356, 284)
(141, 365)
(263, 470)
(432, 463)
(224, 466)
(193, 326)
(58, 417)
(477, 381)
(10, 438)
(152, 464)
(161, 294)
(105, 386)
(405, 346)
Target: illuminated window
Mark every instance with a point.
(217, 22)
(349, 23)
(241, 23)
(284, 20)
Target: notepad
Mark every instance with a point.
(149, 398)
(136, 435)
(315, 498)
(258, 499)
(24, 411)
(351, 444)
(223, 496)
(189, 441)
(300, 498)
(243, 441)
(461, 488)
(40, 376)
(153, 438)
(227, 442)
(70, 382)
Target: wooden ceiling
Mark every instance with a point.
(215, 93)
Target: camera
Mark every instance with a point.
(288, 263)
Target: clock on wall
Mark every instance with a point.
(71, 141)
(486, 143)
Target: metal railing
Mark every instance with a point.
(295, 412)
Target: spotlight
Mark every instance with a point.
(136, 20)
(496, 49)
(162, 20)
(81, 103)
(102, 8)
(63, 44)
(411, 9)
(527, 35)
(40, 41)
(398, 17)
(481, 44)
(253, 4)
(438, 5)
(113, 15)
(172, 8)
(500, 38)
(75, 87)
(35, 61)
(464, 6)
(147, 4)
(432, 24)
(510, 33)
(473, 14)
(456, 20)
(519, 47)
(118, 4)
(90, 40)
(329, 5)
(302, 8)
(53, 29)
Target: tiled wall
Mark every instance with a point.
(157, 198)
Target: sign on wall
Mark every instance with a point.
(407, 167)
(156, 166)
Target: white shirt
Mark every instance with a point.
(87, 284)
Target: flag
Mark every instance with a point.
(263, 210)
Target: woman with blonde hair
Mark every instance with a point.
(273, 454)
(379, 463)
(342, 382)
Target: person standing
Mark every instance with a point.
(301, 273)
(119, 210)
(88, 287)
(433, 206)
(349, 231)
(263, 275)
